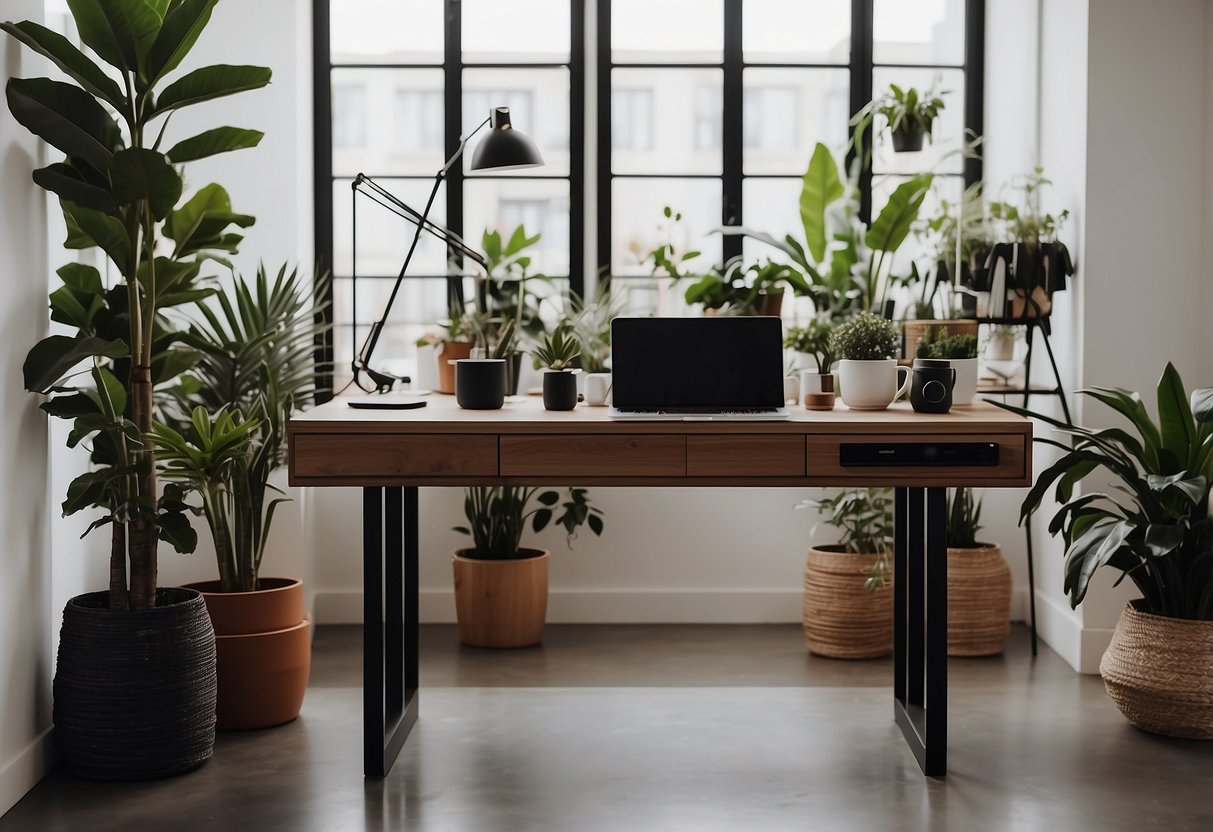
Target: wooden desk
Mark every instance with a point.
(389, 454)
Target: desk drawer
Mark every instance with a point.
(739, 455)
(395, 455)
(593, 456)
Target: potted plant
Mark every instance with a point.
(848, 603)
(134, 686)
(1000, 343)
(501, 589)
(979, 583)
(737, 289)
(454, 343)
(504, 297)
(224, 442)
(908, 114)
(867, 370)
(960, 351)
(556, 352)
(482, 382)
(1152, 526)
(817, 388)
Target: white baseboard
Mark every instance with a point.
(26, 769)
(623, 606)
(1062, 630)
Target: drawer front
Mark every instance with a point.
(739, 455)
(395, 455)
(1014, 466)
(593, 456)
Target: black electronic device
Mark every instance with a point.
(917, 454)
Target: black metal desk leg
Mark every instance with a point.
(389, 624)
(920, 628)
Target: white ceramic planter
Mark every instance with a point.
(966, 381)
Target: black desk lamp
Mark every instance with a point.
(504, 148)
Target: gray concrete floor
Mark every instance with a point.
(670, 728)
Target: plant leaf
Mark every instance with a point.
(183, 24)
(87, 228)
(1162, 538)
(63, 180)
(65, 117)
(1202, 404)
(889, 230)
(821, 186)
(139, 175)
(219, 140)
(120, 31)
(68, 58)
(1174, 415)
(211, 82)
(54, 355)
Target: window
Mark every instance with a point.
(769, 120)
(632, 119)
(398, 83)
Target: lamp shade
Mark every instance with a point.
(505, 148)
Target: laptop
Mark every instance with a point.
(697, 369)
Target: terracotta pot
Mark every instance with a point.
(979, 601)
(843, 619)
(264, 643)
(1159, 672)
(913, 331)
(447, 352)
(501, 603)
(134, 692)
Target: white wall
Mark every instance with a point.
(25, 620)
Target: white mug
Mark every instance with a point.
(872, 385)
(791, 389)
(597, 389)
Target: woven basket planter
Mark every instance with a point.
(1159, 672)
(843, 619)
(979, 601)
(135, 691)
(913, 330)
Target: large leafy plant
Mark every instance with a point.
(864, 519)
(120, 192)
(497, 517)
(1154, 525)
(255, 369)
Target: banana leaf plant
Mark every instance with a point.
(1153, 525)
(255, 368)
(844, 262)
(120, 191)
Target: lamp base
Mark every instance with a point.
(386, 402)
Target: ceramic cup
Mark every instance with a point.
(966, 381)
(817, 389)
(931, 387)
(791, 389)
(480, 383)
(597, 389)
(872, 385)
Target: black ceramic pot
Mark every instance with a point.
(513, 371)
(135, 691)
(907, 141)
(932, 384)
(480, 383)
(559, 390)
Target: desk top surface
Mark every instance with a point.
(525, 414)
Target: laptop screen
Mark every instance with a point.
(711, 362)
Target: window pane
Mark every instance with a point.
(515, 31)
(667, 31)
(773, 206)
(421, 300)
(942, 153)
(386, 31)
(541, 205)
(785, 112)
(387, 121)
(539, 106)
(806, 31)
(384, 237)
(638, 226)
(918, 32)
(688, 117)
(631, 119)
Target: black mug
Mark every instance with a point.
(931, 387)
(480, 383)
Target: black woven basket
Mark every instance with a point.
(135, 691)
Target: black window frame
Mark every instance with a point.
(452, 67)
(733, 64)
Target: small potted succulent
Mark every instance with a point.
(481, 383)
(960, 351)
(979, 583)
(868, 372)
(556, 352)
(848, 602)
(817, 388)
